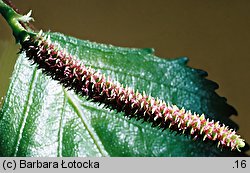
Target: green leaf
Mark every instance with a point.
(40, 118)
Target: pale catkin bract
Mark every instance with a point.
(71, 73)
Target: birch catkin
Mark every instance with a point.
(71, 73)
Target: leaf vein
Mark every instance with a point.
(60, 129)
(75, 105)
(25, 113)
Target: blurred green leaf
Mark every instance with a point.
(40, 118)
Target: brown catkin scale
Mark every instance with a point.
(71, 73)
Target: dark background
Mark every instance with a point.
(214, 34)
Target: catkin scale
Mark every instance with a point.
(72, 74)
